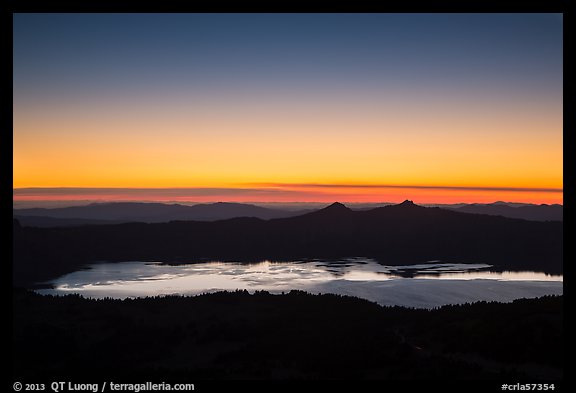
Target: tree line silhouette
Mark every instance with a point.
(238, 335)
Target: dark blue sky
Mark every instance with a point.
(71, 52)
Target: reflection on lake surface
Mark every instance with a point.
(424, 285)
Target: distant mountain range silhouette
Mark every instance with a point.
(395, 234)
(145, 212)
(527, 212)
(123, 212)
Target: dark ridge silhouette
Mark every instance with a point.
(156, 212)
(51, 222)
(527, 212)
(123, 212)
(394, 235)
(237, 335)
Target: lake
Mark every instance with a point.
(426, 285)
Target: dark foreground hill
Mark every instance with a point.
(398, 234)
(262, 336)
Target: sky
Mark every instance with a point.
(437, 108)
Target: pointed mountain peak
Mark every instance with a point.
(336, 210)
(407, 204)
(336, 206)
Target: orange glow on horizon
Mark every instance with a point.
(175, 146)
